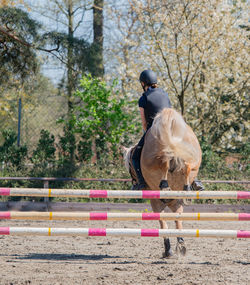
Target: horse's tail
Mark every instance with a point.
(169, 128)
(126, 156)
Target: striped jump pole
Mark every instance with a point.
(123, 232)
(144, 194)
(106, 216)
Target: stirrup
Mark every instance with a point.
(139, 186)
(134, 186)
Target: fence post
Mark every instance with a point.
(19, 121)
(46, 199)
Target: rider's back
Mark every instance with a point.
(156, 100)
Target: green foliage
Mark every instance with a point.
(214, 167)
(44, 154)
(54, 159)
(100, 115)
(209, 157)
(10, 153)
(66, 148)
(245, 152)
(84, 150)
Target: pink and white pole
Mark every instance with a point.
(144, 194)
(123, 232)
(106, 216)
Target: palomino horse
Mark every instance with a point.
(170, 160)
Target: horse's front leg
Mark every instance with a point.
(180, 246)
(158, 206)
(167, 246)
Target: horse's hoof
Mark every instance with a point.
(186, 187)
(187, 202)
(181, 248)
(168, 254)
(164, 185)
(166, 189)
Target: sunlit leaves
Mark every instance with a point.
(100, 114)
(200, 53)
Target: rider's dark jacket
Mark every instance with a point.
(153, 101)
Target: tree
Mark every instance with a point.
(17, 57)
(78, 53)
(74, 47)
(10, 153)
(199, 52)
(18, 60)
(70, 49)
(100, 116)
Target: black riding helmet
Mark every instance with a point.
(148, 77)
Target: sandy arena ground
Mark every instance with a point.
(105, 260)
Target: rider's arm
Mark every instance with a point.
(143, 119)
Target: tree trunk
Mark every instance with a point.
(98, 67)
(70, 83)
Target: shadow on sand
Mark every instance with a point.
(108, 259)
(64, 257)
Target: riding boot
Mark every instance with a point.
(141, 182)
(197, 185)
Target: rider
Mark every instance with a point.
(152, 101)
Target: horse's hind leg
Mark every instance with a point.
(164, 179)
(186, 175)
(180, 246)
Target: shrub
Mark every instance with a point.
(44, 154)
(10, 153)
